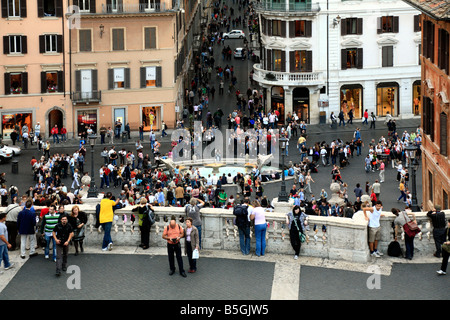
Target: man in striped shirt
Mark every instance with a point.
(49, 221)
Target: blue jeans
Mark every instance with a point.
(409, 245)
(244, 239)
(47, 246)
(403, 195)
(199, 228)
(4, 255)
(107, 236)
(55, 137)
(260, 237)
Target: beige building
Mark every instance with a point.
(128, 62)
(33, 87)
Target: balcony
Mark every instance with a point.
(286, 7)
(287, 78)
(134, 8)
(87, 97)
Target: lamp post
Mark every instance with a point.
(283, 196)
(92, 192)
(413, 164)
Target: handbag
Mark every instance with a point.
(300, 233)
(411, 228)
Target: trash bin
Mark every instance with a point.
(322, 117)
(124, 136)
(15, 166)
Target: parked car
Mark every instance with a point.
(238, 53)
(234, 34)
(6, 154)
(15, 149)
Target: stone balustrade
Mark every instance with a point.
(341, 239)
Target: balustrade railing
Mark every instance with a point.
(326, 237)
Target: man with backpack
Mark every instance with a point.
(173, 233)
(242, 213)
(192, 210)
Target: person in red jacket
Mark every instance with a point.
(63, 134)
(54, 133)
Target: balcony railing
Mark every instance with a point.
(287, 7)
(287, 78)
(134, 8)
(87, 97)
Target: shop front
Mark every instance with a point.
(85, 119)
(351, 98)
(300, 103)
(387, 98)
(417, 103)
(151, 117)
(277, 98)
(11, 121)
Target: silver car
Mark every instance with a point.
(16, 150)
(234, 34)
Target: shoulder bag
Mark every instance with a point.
(411, 228)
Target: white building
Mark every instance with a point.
(322, 57)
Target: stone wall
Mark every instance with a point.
(344, 238)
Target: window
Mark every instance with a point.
(300, 28)
(351, 26)
(351, 58)
(151, 77)
(277, 28)
(49, 8)
(417, 25)
(118, 42)
(387, 24)
(443, 134)
(443, 51)
(430, 186)
(149, 5)
(387, 98)
(52, 81)
(85, 40)
(84, 5)
(428, 40)
(387, 56)
(300, 61)
(14, 8)
(50, 43)
(118, 78)
(444, 200)
(277, 60)
(150, 38)
(428, 117)
(14, 44)
(16, 83)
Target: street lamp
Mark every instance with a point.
(414, 165)
(283, 196)
(92, 192)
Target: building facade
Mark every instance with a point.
(435, 58)
(128, 59)
(33, 87)
(338, 55)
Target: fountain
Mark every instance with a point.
(215, 166)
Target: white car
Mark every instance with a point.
(234, 34)
(16, 150)
(6, 154)
(238, 53)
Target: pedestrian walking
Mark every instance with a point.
(49, 221)
(192, 243)
(12, 212)
(62, 234)
(372, 120)
(382, 169)
(172, 234)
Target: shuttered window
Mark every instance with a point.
(150, 37)
(443, 138)
(151, 77)
(352, 58)
(387, 24)
(443, 50)
(300, 61)
(85, 40)
(387, 58)
(118, 39)
(14, 8)
(300, 28)
(351, 26)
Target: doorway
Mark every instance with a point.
(300, 103)
(55, 117)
